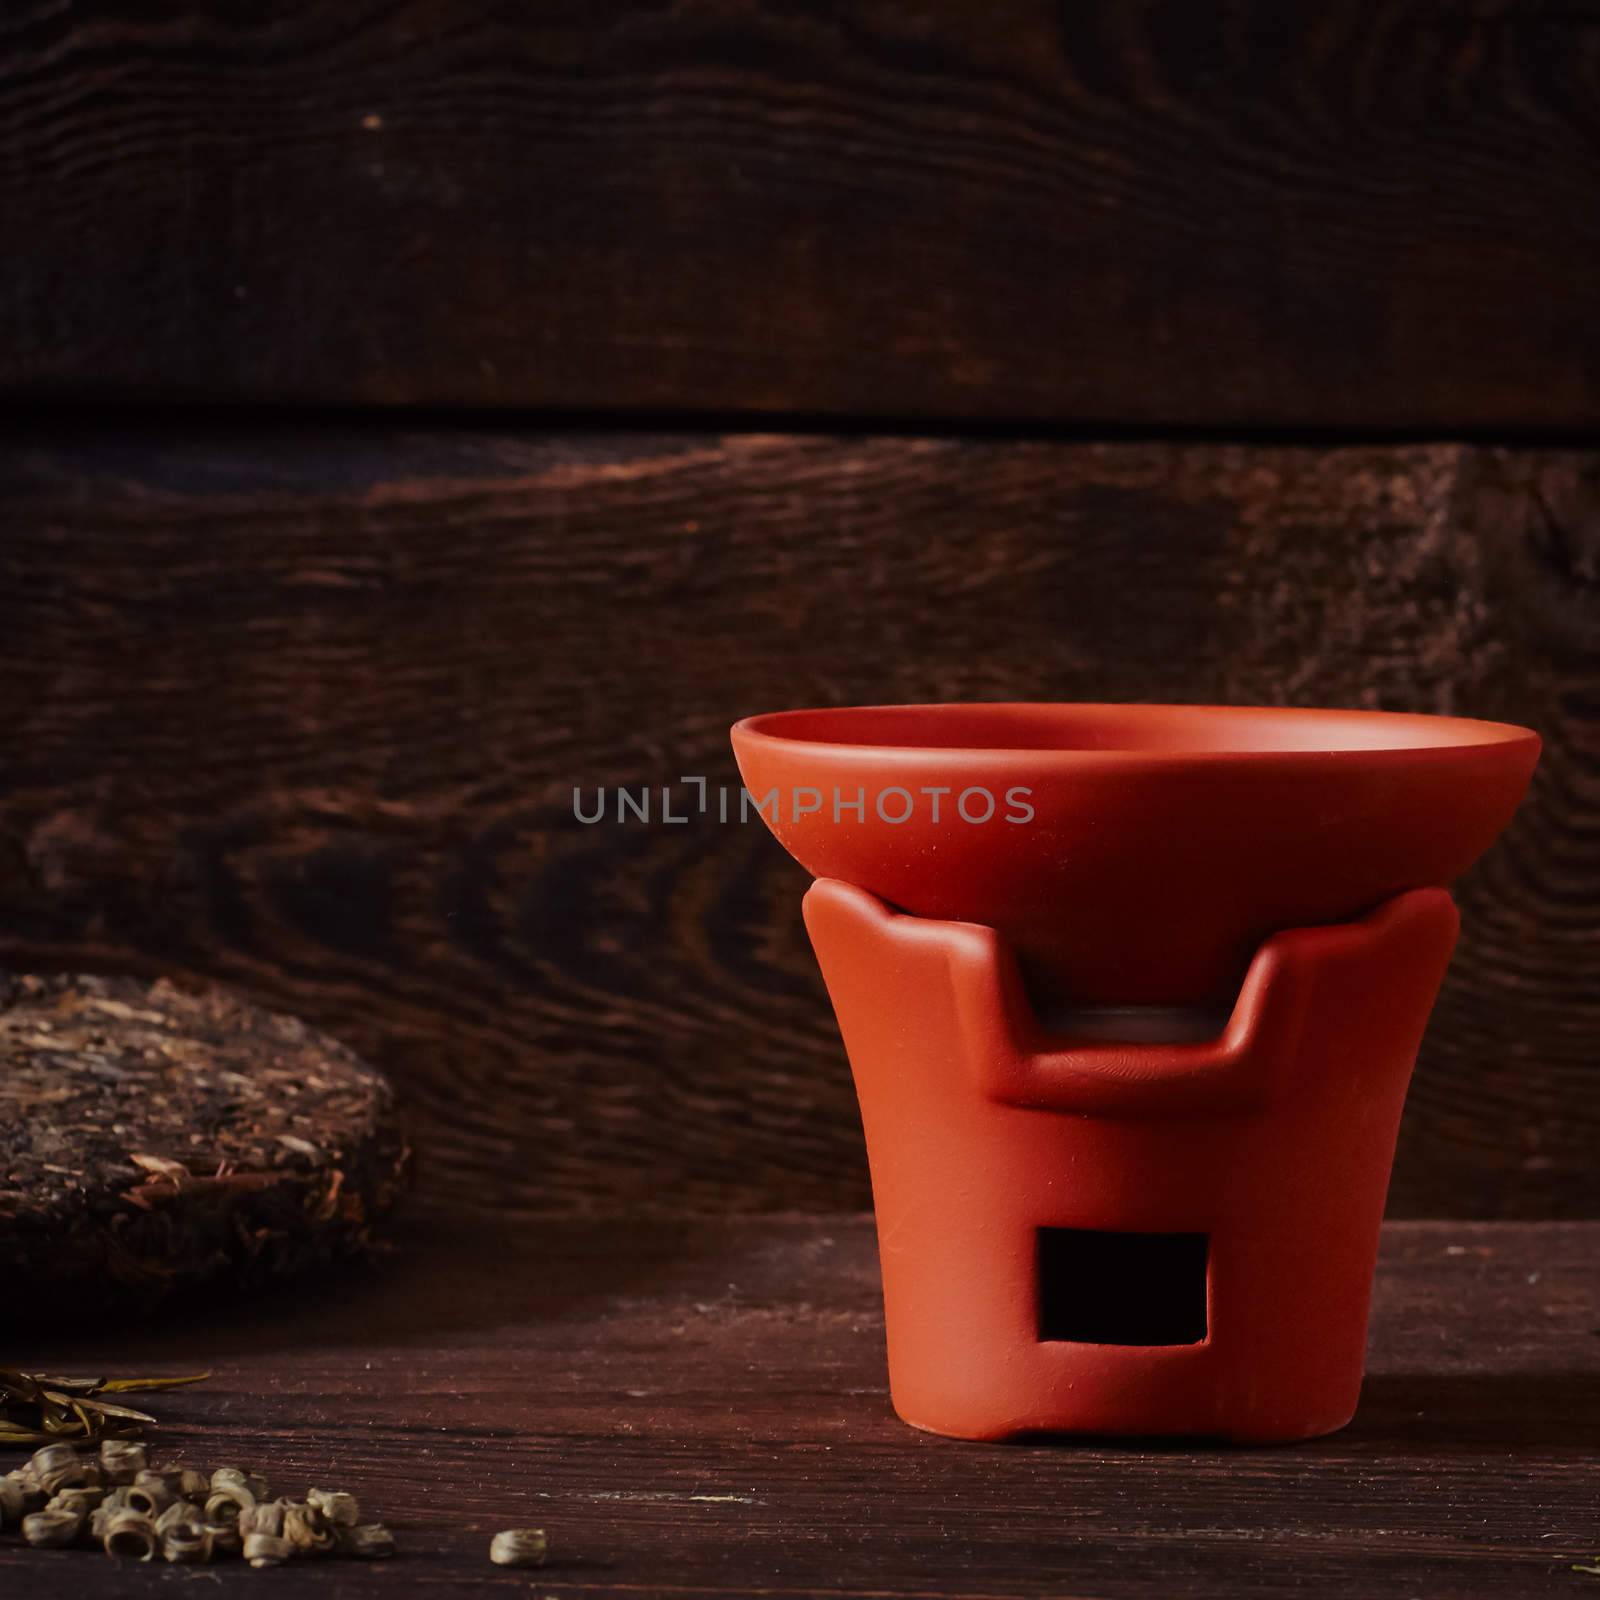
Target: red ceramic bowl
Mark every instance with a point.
(1134, 855)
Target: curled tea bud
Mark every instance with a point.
(371, 1541)
(11, 1500)
(49, 1457)
(131, 1536)
(305, 1527)
(55, 1466)
(519, 1547)
(193, 1486)
(78, 1501)
(266, 1549)
(150, 1493)
(341, 1509)
(265, 1516)
(226, 1539)
(114, 1502)
(229, 1503)
(27, 1486)
(238, 1478)
(185, 1538)
(173, 1515)
(52, 1530)
(121, 1460)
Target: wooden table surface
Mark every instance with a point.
(698, 1408)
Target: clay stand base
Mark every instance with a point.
(1092, 1237)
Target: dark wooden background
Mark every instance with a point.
(435, 404)
(305, 710)
(1339, 212)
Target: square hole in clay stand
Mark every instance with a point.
(1122, 1288)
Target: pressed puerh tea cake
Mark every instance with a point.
(154, 1137)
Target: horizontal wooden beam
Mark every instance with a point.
(1346, 214)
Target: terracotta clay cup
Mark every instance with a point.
(1132, 996)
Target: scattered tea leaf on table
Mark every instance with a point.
(40, 1409)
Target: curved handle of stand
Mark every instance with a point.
(1017, 1063)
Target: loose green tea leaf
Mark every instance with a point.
(136, 1385)
(102, 1408)
(519, 1547)
(38, 1408)
(12, 1433)
(64, 1496)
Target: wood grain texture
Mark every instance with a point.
(699, 1409)
(1334, 214)
(305, 711)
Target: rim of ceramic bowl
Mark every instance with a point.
(827, 729)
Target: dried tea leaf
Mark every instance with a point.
(15, 1433)
(121, 1461)
(342, 1510)
(519, 1547)
(130, 1536)
(371, 1541)
(160, 1166)
(52, 1530)
(37, 1409)
(236, 1144)
(104, 1408)
(266, 1549)
(136, 1385)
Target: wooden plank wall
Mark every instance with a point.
(303, 708)
(435, 404)
(1354, 213)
